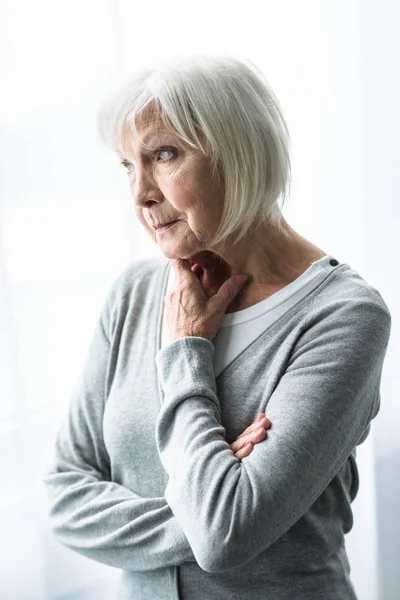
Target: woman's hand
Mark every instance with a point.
(257, 432)
(189, 312)
(211, 270)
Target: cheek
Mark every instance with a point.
(131, 183)
(188, 193)
(176, 189)
(142, 220)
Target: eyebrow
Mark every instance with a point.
(149, 136)
(154, 134)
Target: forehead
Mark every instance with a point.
(149, 119)
(148, 122)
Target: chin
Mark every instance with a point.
(179, 250)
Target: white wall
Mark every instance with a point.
(381, 222)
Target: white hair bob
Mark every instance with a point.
(226, 108)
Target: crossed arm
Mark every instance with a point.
(320, 408)
(331, 386)
(97, 517)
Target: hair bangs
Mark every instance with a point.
(226, 108)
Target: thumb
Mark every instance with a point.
(228, 291)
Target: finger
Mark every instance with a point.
(259, 417)
(265, 422)
(205, 258)
(197, 270)
(254, 437)
(244, 451)
(228, 292)
(182, 267)
(187, 275)
(248, 429)
(262, 422)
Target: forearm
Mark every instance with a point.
(110, 524)
(243, 508)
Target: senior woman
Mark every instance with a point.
(241, 317)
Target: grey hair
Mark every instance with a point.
(226, 108)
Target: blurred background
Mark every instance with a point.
(67, 224)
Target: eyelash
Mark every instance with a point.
(126, 164)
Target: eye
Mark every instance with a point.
(162, 152)
(127, 165)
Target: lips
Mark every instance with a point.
(161, 225)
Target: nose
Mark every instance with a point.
(144, 187)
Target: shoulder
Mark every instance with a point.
(137, 273)
(345, 287)
(349, 306)
(137, 283)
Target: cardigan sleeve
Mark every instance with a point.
(233, 510)
(91, 514)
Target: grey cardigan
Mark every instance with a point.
(143, 478)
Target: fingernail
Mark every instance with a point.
(240, 279)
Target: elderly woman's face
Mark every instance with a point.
(171, 181)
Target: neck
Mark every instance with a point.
(270, 258)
